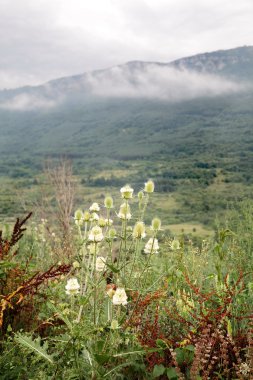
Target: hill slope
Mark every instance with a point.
(188, 124)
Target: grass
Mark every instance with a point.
(92, 301)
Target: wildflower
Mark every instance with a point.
(72, 286)
(140, 195)
(108, 202)
(139, 230)
(76, 264)
(112, 233)
(100, 264)
(101, 222)
(244, 369)
(86, 216)
(119, 297)
(175, 245)
(124, 212)
(114, 324)
(151, 246)
(79, 217)
(94, 217)
(96, 234)
(127, 192)
(156, 224)
(108, 222)
(110, 290)
(94, 207)
(92, 248)
(149, 186)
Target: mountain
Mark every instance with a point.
(188, 124)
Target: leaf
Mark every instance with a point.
(171, 373)
(158, 370)
(113, 268)
(34, 346)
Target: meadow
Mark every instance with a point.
(106, 290)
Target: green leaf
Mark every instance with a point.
(161, 344)
(34, 346)
(171, 373)
(158, 370)
(113, 268)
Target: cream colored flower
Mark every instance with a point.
(100, 264)
(86, 216)
(175, 245)
(119, 297)
(108, 202)
(127, 192)
(72, 286)
(96, 234)
(108, 222)
(94, 217)
(152, 246)
(149, 186)
(156, 224)
(139, 230)
(124, 212)
(94, 207)
(101, 222)
(79, 217)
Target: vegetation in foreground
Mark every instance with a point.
(110, 296)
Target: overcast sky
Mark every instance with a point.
(45, 39)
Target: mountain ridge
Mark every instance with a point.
(190, 62)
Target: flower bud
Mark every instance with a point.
(140, 195)
(149, 186)
(108, 202)
(175, 245)
(139, 230)
(112, 233)
(86, 216)
(78, 214)
(76, 264)
(156, 224)
(124, 212)
(101, 222)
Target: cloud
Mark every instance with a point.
(160, 82)
(133, 80)
(26, 102)
(45, 39)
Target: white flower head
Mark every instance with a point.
(124, 212)
(96, 234)
(139, 230)
(94, 207)
(108, 222)
(119, 297)
(127, 192)
(94, 217)
(152, 246)
(100, 264)
(72, 286)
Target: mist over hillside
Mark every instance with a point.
(184, 123)
(210, 74)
